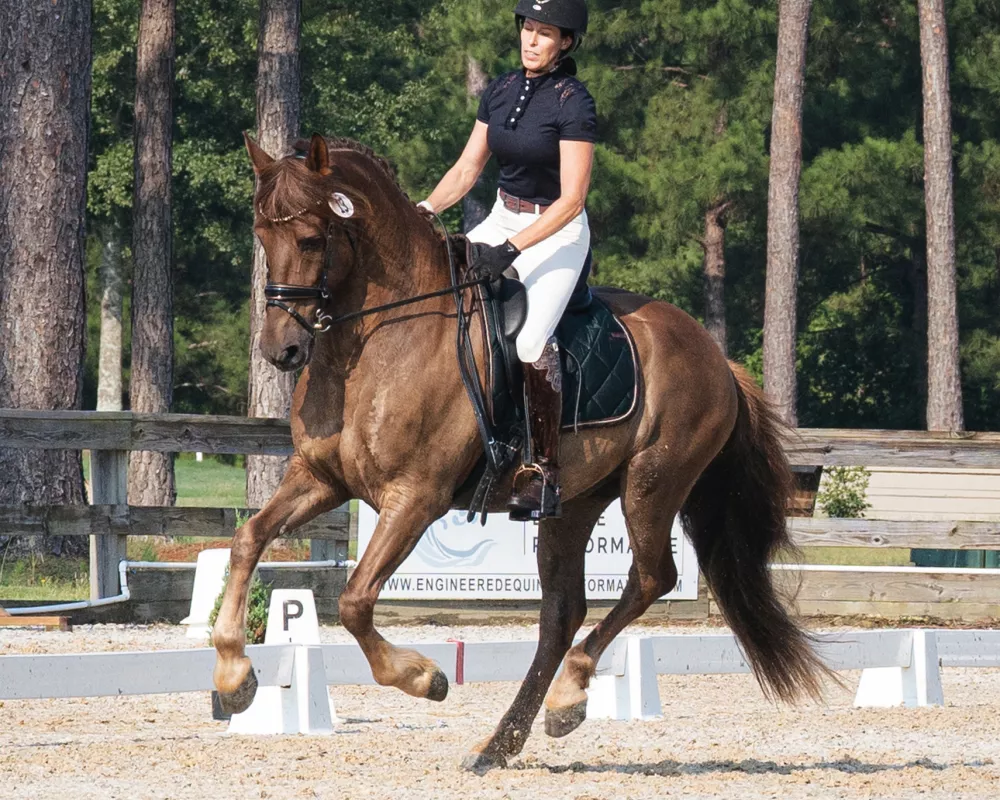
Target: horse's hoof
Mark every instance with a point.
(438, 690)
(240, 700)
(563, 721)
(480, 763)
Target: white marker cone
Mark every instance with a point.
(209, 578)
(303, 707)
(302, 703)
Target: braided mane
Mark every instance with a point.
(287, 188)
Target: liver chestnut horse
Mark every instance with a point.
(380, 414)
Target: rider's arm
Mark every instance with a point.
(575, 161)
(457, 181)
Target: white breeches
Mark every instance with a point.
(549, 271)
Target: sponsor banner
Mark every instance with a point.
(457, 560)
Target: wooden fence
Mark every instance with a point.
(110, 435)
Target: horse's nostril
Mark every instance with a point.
(289, 354)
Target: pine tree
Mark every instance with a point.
(270, 391)
(783, 209)
(151, 475)
(944, 383)
(45, 60)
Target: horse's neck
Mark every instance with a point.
(398, 257)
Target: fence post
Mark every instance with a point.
(327, 550)
(108, 486)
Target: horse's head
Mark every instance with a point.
(300, 217)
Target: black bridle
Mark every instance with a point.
(278, 295)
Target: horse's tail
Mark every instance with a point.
(735, 518)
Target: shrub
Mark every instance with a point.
(844, 493)
(258, 600)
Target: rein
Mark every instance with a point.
(280, 294)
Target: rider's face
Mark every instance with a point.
(540, 46)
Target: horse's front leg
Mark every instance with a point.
(562, 545)
(403, 518)
(299, 498)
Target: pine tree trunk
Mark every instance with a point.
(714, 243)
(783, 208)
(109, 369)
(944, 378)
(45, 62)
(917, 278)
(270, 390)
(151, 475)
(474, 210)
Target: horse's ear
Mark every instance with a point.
(318, 159)
(258, 157)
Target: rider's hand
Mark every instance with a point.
(426, 210)
(490, 262)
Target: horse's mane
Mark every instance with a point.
(287, 187)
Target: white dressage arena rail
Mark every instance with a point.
(293, 670)
(900, 667)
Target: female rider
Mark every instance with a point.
(541, 124)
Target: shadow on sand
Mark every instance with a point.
(749, 766)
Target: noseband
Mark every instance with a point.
(280, 294)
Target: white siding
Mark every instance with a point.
(933, 494)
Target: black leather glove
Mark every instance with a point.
(490, 262)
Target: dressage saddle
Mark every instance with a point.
(598, 362)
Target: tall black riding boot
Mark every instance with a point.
(536, 485)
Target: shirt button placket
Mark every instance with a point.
(519, 109)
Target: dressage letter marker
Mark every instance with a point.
(302, 702)
(289, 615)
(291, 618)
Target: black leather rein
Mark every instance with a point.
(280, 294)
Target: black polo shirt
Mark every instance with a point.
(527, 117)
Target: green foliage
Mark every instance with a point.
(844, 493)
(683, 92)
(258, 600)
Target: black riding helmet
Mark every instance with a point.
(567, 15)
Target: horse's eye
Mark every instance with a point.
(311, 245)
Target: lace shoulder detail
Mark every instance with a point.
(506, 80)
(566, 87)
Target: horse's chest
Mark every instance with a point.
(380, 435)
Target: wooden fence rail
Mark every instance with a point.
(124, 430)
(943, 535)
(176, 433)
(121, 520)
(111, 435)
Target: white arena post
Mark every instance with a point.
(914, 685)
(301, 703)
(625, 685)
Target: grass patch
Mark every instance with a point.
(209, 483)
(855, 556)
(45, 578)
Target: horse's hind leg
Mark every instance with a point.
(299, 498)
(650, 506)
(562, 545)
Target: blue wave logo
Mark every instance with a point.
(431, 550)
